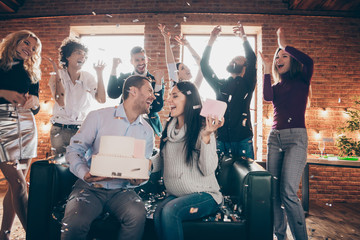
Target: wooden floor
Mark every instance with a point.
(341, 221)
(334, 222)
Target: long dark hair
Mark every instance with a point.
(193, 122)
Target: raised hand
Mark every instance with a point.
(212, 124)
(214, 34)
(99, 67)
(159, 75)
(281, 38)
(166, 35)
(239, 31)
(116, 62)
(181, 40)
(267, 62)
(55, 67)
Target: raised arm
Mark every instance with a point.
(158, 103)
(199, 77)
(208, 159)
(114, 88)
(56, 86)
(267, 90)
(206, 70)
(308, 63)
(100, 95)
(169, 55)
(250, 73)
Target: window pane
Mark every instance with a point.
(224, 49)
(105, 48)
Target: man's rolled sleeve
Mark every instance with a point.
(80, 143)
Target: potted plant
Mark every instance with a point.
(346, 145)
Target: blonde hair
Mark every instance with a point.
(8, 52)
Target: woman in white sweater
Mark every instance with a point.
(188, 161)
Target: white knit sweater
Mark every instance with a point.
(181, 179)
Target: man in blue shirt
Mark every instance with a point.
(92, 195)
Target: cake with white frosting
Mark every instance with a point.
(120, 157)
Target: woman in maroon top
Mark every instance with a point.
(19, 101)
(288, 141)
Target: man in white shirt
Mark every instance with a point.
(92, 195)
(72, 90)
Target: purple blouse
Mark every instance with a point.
(289, 97)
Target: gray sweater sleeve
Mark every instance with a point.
(156, 163)
(208, 159)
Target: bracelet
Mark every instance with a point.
(243, 36)
(35, 107)
(53, 73)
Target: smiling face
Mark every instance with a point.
(184, 72)
(176, 102)
(139, 61)
(26, 48)
(144, 97)
(77, 58)
(282, 62)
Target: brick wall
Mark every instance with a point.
(332, 41)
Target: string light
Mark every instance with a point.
(45, 127)
(317, 135)
(324, 112)
(46, 106)
(268, 121)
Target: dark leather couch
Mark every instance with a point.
(246, 183)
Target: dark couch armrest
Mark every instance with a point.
(49, 184)
(256, 193)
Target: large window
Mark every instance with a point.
(224, 50)
(105, 48)
(105, 43)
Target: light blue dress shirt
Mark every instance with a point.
(110, 121)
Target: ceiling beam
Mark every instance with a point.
(10, 6)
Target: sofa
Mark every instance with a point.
(246, 214)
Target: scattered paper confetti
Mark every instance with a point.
(194, 210)
(244, 122)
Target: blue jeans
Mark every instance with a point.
(242, 148)
(173, 210)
